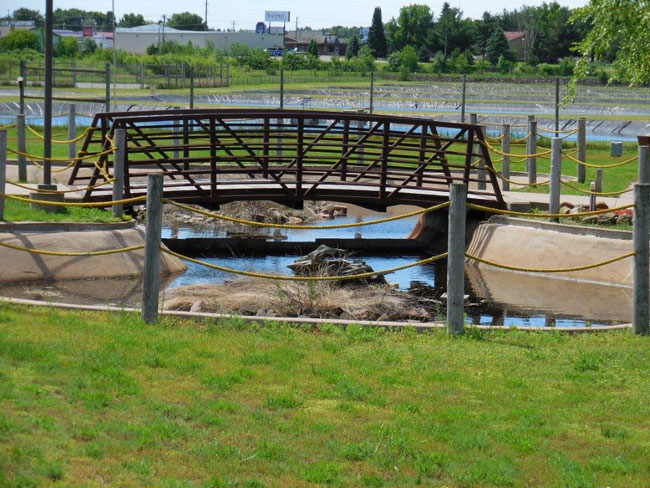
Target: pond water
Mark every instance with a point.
(495, 297)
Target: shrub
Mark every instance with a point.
(20, 39)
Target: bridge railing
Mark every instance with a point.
(222, 155)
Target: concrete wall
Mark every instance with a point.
(17, 266)
(138, 42)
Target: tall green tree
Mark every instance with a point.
(624, 23)
(376, 35)
(132, 20)
(186, 21)
(497, 46)
(452, 31)
(28, 14)
(413, 27)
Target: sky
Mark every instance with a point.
(222, 13)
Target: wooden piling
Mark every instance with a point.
(456, 259)
(150, 281)
(556, 175)
(641, 230)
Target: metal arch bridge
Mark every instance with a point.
(214, 156)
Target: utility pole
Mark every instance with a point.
(296, 30)
(47, 98)
(163, 31)
(233, 25)
(206, 15)
(114, 56)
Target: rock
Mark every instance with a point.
(565, 210)
(294, 221)
(326, 216)
(578, 209)
(277, 218)
(340, 210)
(383, 318)
(327, 261)
(589, 219)
(601, 206)
(256, 217)
(197, 306)
(347, 316)
(567, 204)
(606, 218)
(623, 219)
(260, 313)
(195, 220)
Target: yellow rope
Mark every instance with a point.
(55, 141)
(72, 254)
(547, 215)
(8, 126)
(493, 149)
(123, 201)
(38, 190)
(521, 139)
(41, 158)
(551, 270)
(602, 166)
(568, 131)
(253, 274)
(317, 227)
(598, 193)
(53, 170)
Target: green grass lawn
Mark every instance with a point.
(16, 211)
(95, 399)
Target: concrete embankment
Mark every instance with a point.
(17, 266)
(533, 244)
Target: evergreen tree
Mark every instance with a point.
(353, 47)
(312, 48)
(497, 45)
(377, 36)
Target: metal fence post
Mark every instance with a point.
(118, 171)
(3, 170)
(372, 91)
(556, 175)
(72, 131)
(150, 281)
(644, 164)
(581, 143)
(20, 144)
(641, 229)
(462, 102)
(142, 76)
(191, 86)
(531, 148)
(281, 88)
(107, 80)
(456, 259)
(505, 148)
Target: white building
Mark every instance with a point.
(138, 39)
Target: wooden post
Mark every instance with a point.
(72, 131)
(118, 171)
(505, 148)
(20, 143)
(107, 80)
(3, 170)
(462, 101)
(456, 259)
(481, 173)
(641, 229)
(150, 282)
(556, 174)
(599, 180)
(581, 143)
(557, 105)
(644, 164)
(531, 148)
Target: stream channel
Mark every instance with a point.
(495, 297)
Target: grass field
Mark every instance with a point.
(20, 211)
(96, 399)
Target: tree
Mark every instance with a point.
(353, 47)
(624, 23)
(452, 31)
(312, 48)
(28, 14)
(412, 28)
(497, 46)
(88, 46)
(186, 21)
(377, 36)
(20, 39)
(67, 47)
(132, 20)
